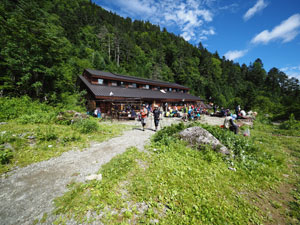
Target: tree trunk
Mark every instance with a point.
(118, 55)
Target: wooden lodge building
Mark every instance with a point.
(111, 91)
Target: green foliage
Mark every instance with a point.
(114, 171)
(25, 109)
(290, 124)
(23, 144)
(5, 155)
(70, 101)
(40, 117)
(165, 135)
(174, 184)
(238, 144)
(86, 126)
(43, 51)
(47, 134)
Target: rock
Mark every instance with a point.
(31, 137)
(200, 136)
(94, 177)
(8, 146)
(3, 123)
(231, 168)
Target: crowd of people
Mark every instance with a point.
(188, 112)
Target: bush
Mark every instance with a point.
(12, 108)
(86, 126)
(70, 101)
(5, 155)
(290, 124)
(48, 134)
(238, 144)
(167, 132)
(69, 117)
(39, 117)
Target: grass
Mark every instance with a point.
(174, 183)
(30, 143)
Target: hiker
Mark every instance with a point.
(229, 124)
(233, 127)
(98, 112)
(237, 110)
(185, 110)
(156, 115)
(215, 108)
(144, 113)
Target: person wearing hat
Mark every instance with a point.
(156, 115)
(144, 113)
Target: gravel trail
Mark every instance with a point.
(27, 193)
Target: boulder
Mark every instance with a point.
(200, 136)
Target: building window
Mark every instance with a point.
(146, 86)
(113, 83)
(170, 89)
(100, 81)
(132, 85)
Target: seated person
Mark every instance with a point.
(243, 115)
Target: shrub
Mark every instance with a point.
(37, 118)
(12, 108)
(238, 144)
(48, 134)
(5, 155)
(69, 117)
(167, 132)
(290, 124)
(86, 126)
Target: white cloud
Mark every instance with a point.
(203, 34)
(286, 31)
(140, 7)
(259, 6)
(292, 71)
(232, 7)
(187, 17)
(232, 55)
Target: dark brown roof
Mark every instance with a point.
(133, 79)
(105, 91)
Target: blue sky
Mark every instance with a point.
(240, 30)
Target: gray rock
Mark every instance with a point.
(8, 146)
(3, 123)
(94, 177)
(231, 168)
(31, 137)
(200, 136)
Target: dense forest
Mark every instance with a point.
(46, 44)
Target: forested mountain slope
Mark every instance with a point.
(46, 44)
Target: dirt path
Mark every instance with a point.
(27, 193)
